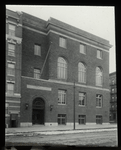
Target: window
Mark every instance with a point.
(6, 108)
(62, 42)
(62, 119)
(61, 97)
(113, 81)
(82, 99)
(81, 73)
(82, 119)
(62, 68)
(112, 90)
(10, 88)
(36, 73)
(11, 49)
(98, 100)
(112, 98)
(11, 69)
(82, 49)
(99, 54)
(98, 119)
(12, 30)
(37, 50)
(98, 76)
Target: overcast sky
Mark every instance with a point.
(97, 20)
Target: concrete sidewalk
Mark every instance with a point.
(58, 129)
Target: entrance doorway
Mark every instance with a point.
(13, 120)
(38, 111)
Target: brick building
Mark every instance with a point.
(62, 64)
(113, 97)
(13, 68)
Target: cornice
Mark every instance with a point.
(76, 38)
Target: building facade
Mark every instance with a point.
(64, 74)
(113, 97)
(13, 68)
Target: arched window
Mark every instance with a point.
(81, 73)
(62, 68)
(99, 76)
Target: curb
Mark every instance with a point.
(59, 132)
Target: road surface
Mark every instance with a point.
(104, 138)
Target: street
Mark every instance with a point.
(104, 138)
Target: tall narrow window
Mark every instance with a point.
(99, 54)
(82, 49)
(98, 76)
(11, 69)
(98, 100)
(37, 50)
(10, 88)
(61, 97)
(82, 99)
(6, 108)
(62, 68)
(11, 49)
(81, 73)
(62, 42)
(12, 30)
(36, 73)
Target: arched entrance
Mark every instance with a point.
(38, 108)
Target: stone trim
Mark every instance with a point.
(38, 87)
(26, 124)
(80, 41)
(69, 83)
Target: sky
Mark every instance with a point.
(98, 20)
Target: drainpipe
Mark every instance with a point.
(74, 107)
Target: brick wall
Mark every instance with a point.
(73, 57)
(51, 98)
(29, 60)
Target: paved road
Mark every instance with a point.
(104, 138)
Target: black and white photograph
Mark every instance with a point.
(61, 85)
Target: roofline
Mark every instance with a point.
(49, 22)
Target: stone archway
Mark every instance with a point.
(38, 110)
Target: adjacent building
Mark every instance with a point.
(64, 74)
(13, 68)
(113, 98)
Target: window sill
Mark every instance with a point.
(62, 104)
(81, 82)
(63, 47)
(11, 75)
(81, 105)
(60, 79)
(82, 123)
(82, 53)
(100, 58)
(98, 107)
(99, 85)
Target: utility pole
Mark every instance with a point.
(74, 105)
